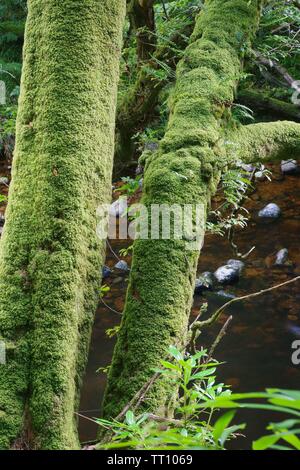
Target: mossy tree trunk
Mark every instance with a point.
(186, 170)
(51, 259)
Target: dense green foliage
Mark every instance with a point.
(12, 23)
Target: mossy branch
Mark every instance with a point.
(264, 142)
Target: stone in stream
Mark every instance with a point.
(106, 272)
(281, 257)
(122, 266)
(230, 272)
(259, 176)
(236, 264)
(227, 274)
(246, 167)
(4, 180)
(204, 282)
(271, 211)
(290, 167)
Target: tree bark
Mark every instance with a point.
(50, 257)
(141, 15)
(265, 142)
(264, 102)
(185, 170)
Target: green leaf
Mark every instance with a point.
(129, 418)
(265, 442)
(169, 365)
(222, 423)
(173, 351)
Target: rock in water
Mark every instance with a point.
(290, 167)
(281, 257)
(227, 274)
(106, 272)
(204, 282)
(236, 264)
(270, 211)
(122, 266)
(259, 176)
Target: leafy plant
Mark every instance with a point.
(111, 332)
(104, 290)
(130, 186)
(125, 251)
(195, 377)
(198, 423)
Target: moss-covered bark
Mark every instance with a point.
(50, 257)
(265, 142)
(185, 170)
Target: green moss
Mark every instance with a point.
(265, 142)
(50, 256)
(163, 272)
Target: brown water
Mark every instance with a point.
(257, 348)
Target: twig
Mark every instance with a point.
(276, 66)
(221, 334)
(165, 9)
(86, 417)
(112, 251)
(215, 316)
(161, 419)
(110, 308)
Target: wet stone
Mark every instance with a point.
(122, 266)
(290, 167)
(227, 274)
(204, 282)
(106, 272)
(270, 211)
(281, 257)
(226, 295)
(236, 264)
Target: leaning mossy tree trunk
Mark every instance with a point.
(50, 256)
(186, 170)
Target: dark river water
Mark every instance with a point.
(257, 348)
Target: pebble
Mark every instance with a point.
(270, 211)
